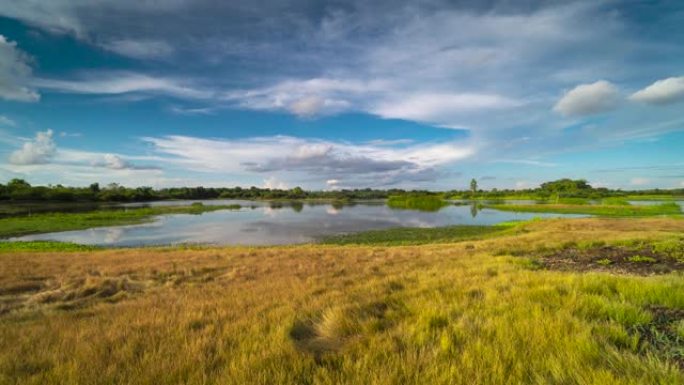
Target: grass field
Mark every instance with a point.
(484, 311)
(614, 210)
(50, 222)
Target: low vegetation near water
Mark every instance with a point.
(422, 202)
(418, 236)
(609, 210)
(51, 222)
(480, 311)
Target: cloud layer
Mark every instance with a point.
(491, 70)
(353, 164)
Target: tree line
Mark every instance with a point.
(20, 190)
(561, 188)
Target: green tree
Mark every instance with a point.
(473, 186)
(17, 184)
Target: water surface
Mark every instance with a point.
(264, 223)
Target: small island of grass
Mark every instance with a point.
(416, 202)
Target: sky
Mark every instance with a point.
(342, 94)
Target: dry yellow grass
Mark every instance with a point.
(460, 313)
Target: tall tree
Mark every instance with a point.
(473, 186)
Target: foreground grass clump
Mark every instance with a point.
(45, 223)
(616, 210)
(417, 236)
(416, 202)
(463, 313)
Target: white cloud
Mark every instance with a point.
(38, 151)
(304, 98)
(297, 157)
(274, 183)
(5, 121)
(308, 106)
(639, 181)
(82, 174)
(663, 91)
(191, 111)
(64, 134)
(523, 184)
(440, 107)
(589, 99)
(140, 49)
(112, 83)
(15, 73)
(115, 162)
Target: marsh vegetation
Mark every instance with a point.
(475, 311)
(54, 222)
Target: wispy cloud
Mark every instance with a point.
(112, 83)
(140, 49)
(5, 121)
(15, 73)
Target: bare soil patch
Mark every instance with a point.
(661, 334)
(617, 259)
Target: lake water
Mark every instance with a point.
(264, 223)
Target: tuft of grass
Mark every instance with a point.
(641, 259)
(673, 248)
(604, 261)
(52, 222)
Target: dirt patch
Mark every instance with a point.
(661, 334)
(617, 259)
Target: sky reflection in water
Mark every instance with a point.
(263, 223)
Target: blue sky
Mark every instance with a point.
(342, 94)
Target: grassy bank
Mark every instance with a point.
(417, 236)
(616, 210)
(9, 247)
(44, 223)
(476, 312)
(416, 202)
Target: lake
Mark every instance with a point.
(269, 223)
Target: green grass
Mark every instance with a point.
(615, 202)
(417, 235)
(416, 202)
(52, 222)
(44, 246)
(669, 208)
(641, 259)
(653, 197)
